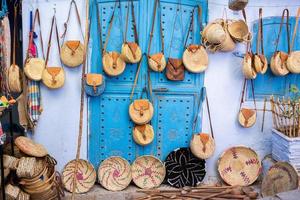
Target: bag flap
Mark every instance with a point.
(283, 56)
(157, 57)
(54, 71)
(141, 128)
(247, 113)
(94, 79)
(133, 46)
(73, 44)
(141, 104)
(115, 56)
(176, 63)
(193, 48)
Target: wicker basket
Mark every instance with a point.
(10, 162)
(11, 191)
(26, 167)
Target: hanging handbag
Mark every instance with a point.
(131, 51)
(14, 74)
(53, 77)
(113, 64)
(203, 144)
(278, 61)
(293, 61)
(237, 4)
(157, 61)
(248, 65)
(238, 29)
(260, 60)
(247, 116)
(195, 58)
(34, 66)
(71, 52)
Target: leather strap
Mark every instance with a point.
(173, 29)
(98, 26)
(295, 28)
(152, 26)
(136, 78)
(110, 27)
(244, 15)
(136, 39)
(161, 29)
(259, 40)
(14, 34)
(284, 13)
(73, 2)
(190, 29)
(244, 91)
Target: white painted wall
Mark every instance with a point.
(58, 127)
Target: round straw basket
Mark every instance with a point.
(26, 167)
(113, 64)
(239, 166)
(10, 162)
(12, 191)
(114, 174)
(30, 148)
(143, 134)
(293, 62)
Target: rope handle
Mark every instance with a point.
(295, 28)
(284, 13)
(109, 28)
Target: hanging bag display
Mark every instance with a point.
(247, 116)
(34, 66)
(113, 64)
(14, 74)
(195, 58)
(260, 60)
(53, 77)
(293, 61)
(157, 62)
(131, 51)
(203, 144)
(71, 52)
(248, 65)
(278, 61)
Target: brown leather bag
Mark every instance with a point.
(175, 69)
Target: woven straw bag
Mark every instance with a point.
(12, 191)
(23, 196)
(141, 111)
(195, 58)
(239, 30)
(85, 176)
(148, 172)
(228, 44)
(157, 62)
(248, 66)
(29, 147)
(10, 162)
(143, 134)
(214, 32)
(114, 173)
(113, 64)
(26, 167)
(239, 166)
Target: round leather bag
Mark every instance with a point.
(141, 111)
(248, 67)
(247, 117)
(34, 68)
(14, 79)
(131, 52)
(143, 134)
(71, 53)
(238, 30)
(202, 145)
(53, 77)
(113, 64)
(260, 63)
(157, 62)
(278, 63)
(228, 44)
(293, 62)
(195, 58)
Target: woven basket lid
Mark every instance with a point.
(184, 169)
(238, 30)
(143, 134)
(260, 63)
(84, 179)
(113, 64)
(127, 54)
(157, 62)
(114, 173)
(202, 145)
(59, 78)
(29, 147)
(281, 177)
(248, 67)
(148, 172)
(293, 62)
(34, 68)
(239, 166)
(278, 63)
(195, 58)
(247, 117)
(71, 53)
(141, 111)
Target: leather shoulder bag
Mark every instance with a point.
(248, 64)
(113, 64)
(195, 58)
(35, 66)
(278, 61)
(53, 77)
(14, 74)
(203, 144)
(157, 61)
(71, 52)
(131, 51)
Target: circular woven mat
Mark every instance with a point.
(30, 148)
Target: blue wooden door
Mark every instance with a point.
(174, 102)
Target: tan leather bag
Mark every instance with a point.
(53, 77)
(175, 69)
(141, 111)
(71, 52)
(143, 134)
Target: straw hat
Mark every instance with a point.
(114, 173)
(238, 30)
(26, 167)
(293, 62)
(113, 64)
(10, 162)
(281, 177)
(53, 77)
(131, 52)
(214, 32)
(71, 53)
(195, 58)
(29, 147)
(157, 62)
(202, 145)
(143, 134)
(141, 111)
(84, 179)
(12, 191)
(248, 66)
(239, 166)
(34, 68)
(260, 63)
(14, 79)
(278, 63)
(184, 169)
(148, 172)
(247, 117)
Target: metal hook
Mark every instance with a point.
(54, 8)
